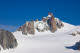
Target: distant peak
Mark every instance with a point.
(50, 14)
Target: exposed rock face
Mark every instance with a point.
(27, 28)
(59, 23)
(50, 14)
(20, 28)
(75, 33)
(44, 19)
(47, 23)
(52, 23)
(30, 28)
(78, 32)
(24, 28)
(7, 40)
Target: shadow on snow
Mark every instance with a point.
(74, 47)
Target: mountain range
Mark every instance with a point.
(50, 35)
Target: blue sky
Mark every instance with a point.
(16, 12)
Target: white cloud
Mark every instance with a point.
(9, 27)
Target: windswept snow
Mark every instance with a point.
(46, 42)
(40, 25)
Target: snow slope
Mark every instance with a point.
(46, 42)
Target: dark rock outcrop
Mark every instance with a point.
(27, 28)
(52, 23)
(30, 28)
(78, 32)
(47, 23)
(7, 39)
(24, 28)
(75, 33)
(50, 14)
(20, 28)
(44, 19)
(59, 23)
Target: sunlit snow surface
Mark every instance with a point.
(46, 42)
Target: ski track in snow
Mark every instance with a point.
(46, 42)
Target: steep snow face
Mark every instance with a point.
(46, 42)
(67, 27)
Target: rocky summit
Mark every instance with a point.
(30, 28)
(27, 28)
(7, 40)
(47, 23)
(52, 23)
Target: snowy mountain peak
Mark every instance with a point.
(51, 36)
(47, 23)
